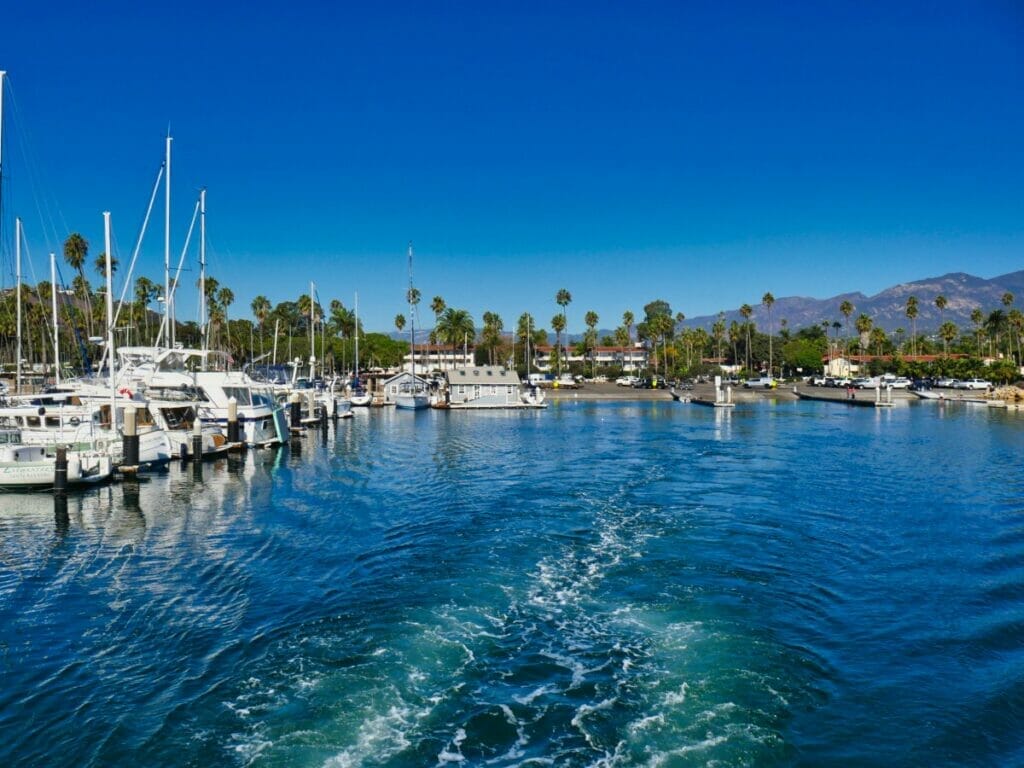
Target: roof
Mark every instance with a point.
(484, 374)
(403, 374)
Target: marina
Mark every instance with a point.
(640, 582)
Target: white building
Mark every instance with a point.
(431, 357)
(629, 359)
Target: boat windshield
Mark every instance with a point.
(241, 395)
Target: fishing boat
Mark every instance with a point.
(413, 394)
(27, 467)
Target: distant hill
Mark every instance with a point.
(887, 309)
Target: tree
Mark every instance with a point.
(746, 311)
(977, 317)
(399, 322)
(491, 334)
(145, 292)
(878, 339)
(260, 309)
(863, 325)
(718, 333)
(558, 325)
(591, 320)
(948, 332)
(911, 312)
(628, 321)
(941, 304)
(768, 300)
(846, 309)
(455, 327)
(76, 249)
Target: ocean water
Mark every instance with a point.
(597, 584)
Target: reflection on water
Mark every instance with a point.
(595, 584)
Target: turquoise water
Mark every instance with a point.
(597, 584)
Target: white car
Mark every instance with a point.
(973, 384)
(763, 382)
(900, 382)
(626, 381)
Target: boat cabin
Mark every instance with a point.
(485, 386)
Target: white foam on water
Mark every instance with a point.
(453, 752)
(675, 698)
(529, 698)
(588, 709)
(380, 736)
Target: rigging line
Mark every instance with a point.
(34, 287)
(177, 274)
(35, 177)
(138, 242)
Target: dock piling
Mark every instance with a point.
(60, 471)
(130, 438)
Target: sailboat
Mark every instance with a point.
(412, 395)
(358, 396)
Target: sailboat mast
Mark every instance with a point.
(17, 273)
(412, 321)
(167, 241)
(312, 338)
(356, 310)
(3, 74)
(56, 321)
(202, 272)
(110, 322)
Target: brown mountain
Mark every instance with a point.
(887, 309)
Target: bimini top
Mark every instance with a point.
(178, 359)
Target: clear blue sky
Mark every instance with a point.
(702, 153)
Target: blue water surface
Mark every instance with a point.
(595, 584)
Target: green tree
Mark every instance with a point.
(76, 250)
(948, 332)
(455, 327)
(911, 312)
(591, 320)
(863, 325)
(558, 325)
(628, 321)
(260, 310)
(768, 300)
(746, 311)
(399, 322)
(978, 318)
(846, 309)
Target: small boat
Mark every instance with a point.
(27, 467)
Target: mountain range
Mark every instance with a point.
(888, 308)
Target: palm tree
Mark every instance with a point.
(746, 310)
(863, 325)
(941, 304)
(591, 320)
(768, 300)
(563, 299)
(977, 317)
(145, 292)
(558, 325)
(948, 332)
(911, 312)
(878, 339)
(718, 333)
(101, 265)
(260, 309)
(76, 249)
(1016, 321)
(491, 335)
(455, 327)
(846, 309)
(1007, 299)
(400, 322)
(628, 320)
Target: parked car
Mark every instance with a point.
(900, 382)
(818, 381)
(919, 385)
(867, 382)
(946, 383)
(762, 382)
(626, 381)
(973, 384)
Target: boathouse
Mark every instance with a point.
(485, 386)
(394, 385)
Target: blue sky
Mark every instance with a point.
(702, 153)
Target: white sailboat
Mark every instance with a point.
(413, 394)
(358, 396)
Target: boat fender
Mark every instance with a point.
(42, 411)
(74, 421)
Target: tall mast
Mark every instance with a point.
(412, 321)
(56, 321)
(312, 337)
(357, 335)
(17, 272)
(110, 322)
(2, 75)
(202, 272)
(167, 240)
